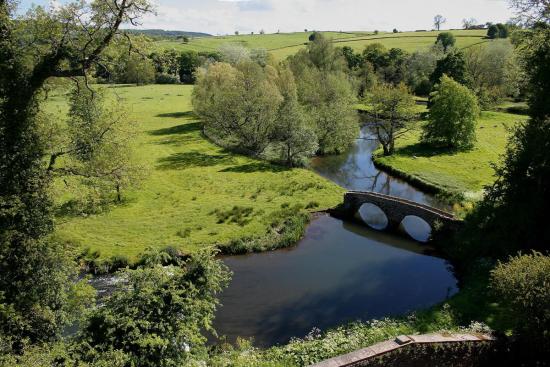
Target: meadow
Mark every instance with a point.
(454, 172)
(285, 44)
(196, 194)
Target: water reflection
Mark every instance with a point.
(355, 170)
(338, 273)
(416, 227)
(373, 216)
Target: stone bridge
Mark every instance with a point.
(397, 209)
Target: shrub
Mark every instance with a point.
(166, 79)
(523, 285)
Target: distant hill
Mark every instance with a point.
(161, 33)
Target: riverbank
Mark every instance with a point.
(452, 175)
(196, 194)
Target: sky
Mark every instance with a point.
(227, 16)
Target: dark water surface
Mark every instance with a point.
(339, 272)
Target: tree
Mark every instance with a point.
(138, 69)
(395, 30)
(492, 71)
(314, 36)
(158, 314)
(492, 31)
(394, 110)
(98, 148)
(446, 39)
(238, 104)
(376, 54)
(469, 23)
(35, 281)
(189, 61)
(234, 54)
(453, 65)
(353, 60)
(326, 93)
(293, 132)
(438, 21)
(236, 33)
(522, 285)
(418, 69)
(452, 117)
(502, 30)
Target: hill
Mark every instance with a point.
(285, 44)
(161, 33)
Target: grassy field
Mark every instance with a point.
(193, 185)
(285, 44)
(464, 172)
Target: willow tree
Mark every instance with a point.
(66, 42)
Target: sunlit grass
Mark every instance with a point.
(463, 172)
(191, 181)
(285, 44)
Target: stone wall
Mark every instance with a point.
(420, 350)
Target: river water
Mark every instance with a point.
(339, 272)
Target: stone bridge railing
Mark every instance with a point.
(396, 209)
(418, 350)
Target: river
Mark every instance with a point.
(339, 272)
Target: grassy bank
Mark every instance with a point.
(285, 44)
(196, 194)
(463, 173)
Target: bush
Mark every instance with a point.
(166, 79)
(523, 285)
(452, 117)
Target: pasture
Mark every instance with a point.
(285, 44)
(196, 194)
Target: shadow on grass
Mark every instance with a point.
(193, 159)
(178, 129)
(256, 167)
(424, 150)
(177, 114)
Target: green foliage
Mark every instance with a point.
(239, 104)
(419, 67)
(498, 30)
(446, 39)
(189, 62)
(295, 139)
(492, 71)
(453, 116)
(158, 315)
(513, 214)
(394, 109)
(523, 285)
(453, 65)
(137, 69)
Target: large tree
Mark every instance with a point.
(453, 116)
(394, 110)
(66, 42)
(439, 20)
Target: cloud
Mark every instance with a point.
(227, 16)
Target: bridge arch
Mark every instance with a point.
(373, 216)
(416, 228)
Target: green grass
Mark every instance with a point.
(462, 172)
(285, 44)
(196, 194)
